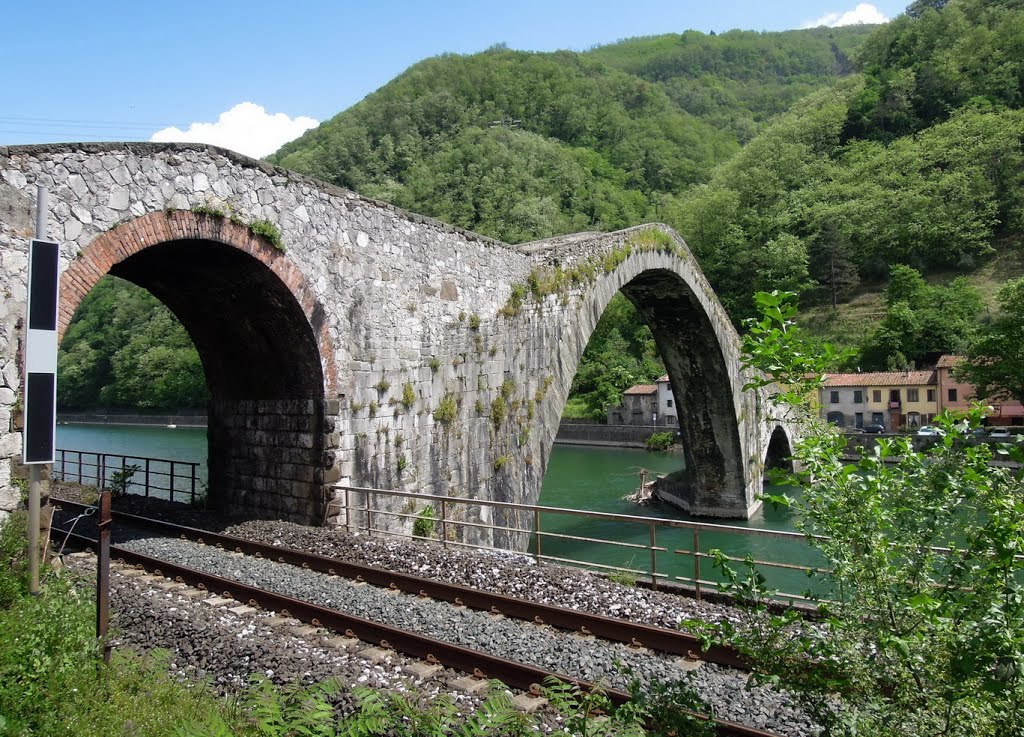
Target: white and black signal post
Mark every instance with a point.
(40, 405)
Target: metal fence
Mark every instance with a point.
(150, 477)
(670, 550)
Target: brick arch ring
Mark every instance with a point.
(129, 238)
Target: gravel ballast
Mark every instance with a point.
(493, 570)
(545, 647)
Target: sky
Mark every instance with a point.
(253, 75)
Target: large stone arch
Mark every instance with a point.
(701, 349)
(261, 335)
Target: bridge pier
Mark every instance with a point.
(267, 458)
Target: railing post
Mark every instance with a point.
(444, 524)
(369, 519)
(654, 557)
(536, 531)
(79, 467)
(696, 563)
(145, 490)
(170, 490)
(102, 470)
(348, 511)
(192, 500)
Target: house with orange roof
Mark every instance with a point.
(646, 404)
(957, 395)
(905, 400)
(893, 399)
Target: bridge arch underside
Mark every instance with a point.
(780, 451)
(262, 364)
(713, 482)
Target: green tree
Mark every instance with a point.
(832, 265)
(995, 363)
(124, 349)
(921, 322)
(782, 265)
(921, 587)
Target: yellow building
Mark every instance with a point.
(893, 399)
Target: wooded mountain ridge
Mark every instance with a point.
(811, 160)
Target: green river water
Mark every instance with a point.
(578, 477)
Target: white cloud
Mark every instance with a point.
(246, 128)
(863, 13)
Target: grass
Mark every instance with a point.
(51, 682)
(576, 409)
(857, 318)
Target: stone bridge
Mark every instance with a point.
(345, 340)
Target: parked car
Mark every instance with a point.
(1007, 434)
(874, 429)
(928, 430)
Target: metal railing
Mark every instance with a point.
(161, 478)
(665, 562)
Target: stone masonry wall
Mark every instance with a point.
(270, 454)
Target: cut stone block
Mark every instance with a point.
(341, 642)
(688, 664)
(375, 654)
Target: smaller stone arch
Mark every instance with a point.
(130, 238)
(264, 343)
(779, 454)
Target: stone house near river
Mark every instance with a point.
(904, 400)
(646, 404)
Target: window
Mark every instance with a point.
(952, 395)
(912, 395)
(876, 395)
(858, 396)
(668, 402)
(876, 418)
(834, 397)
(894, 395)
(836, 418)
(931, 395)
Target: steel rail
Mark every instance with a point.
(511, 673)
(608, 628)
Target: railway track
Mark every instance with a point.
(433, 651)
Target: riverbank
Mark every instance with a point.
(575, 432)
(188, 420)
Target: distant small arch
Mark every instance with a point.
(780, 450)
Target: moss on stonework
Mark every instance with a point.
(543, 281)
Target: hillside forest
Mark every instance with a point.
(877, 172)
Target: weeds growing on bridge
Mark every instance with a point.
(447, 410)
(408, 395)
(544, 281)
(268, 231)
(259, 228)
